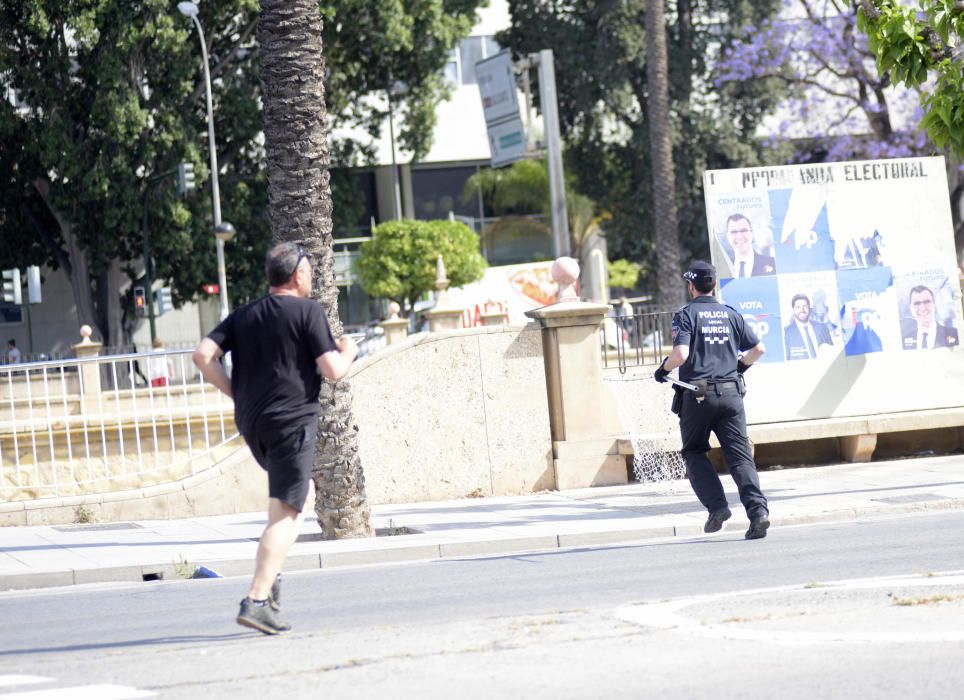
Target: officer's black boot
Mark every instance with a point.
(758, 528)
(715, 522)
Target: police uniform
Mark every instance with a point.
(716, 334)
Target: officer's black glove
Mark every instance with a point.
(741, 366)
(661, 373)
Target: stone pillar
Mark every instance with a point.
(395, 328)
(584, 451)
(494, 317)
(89, 372)
(445, 315)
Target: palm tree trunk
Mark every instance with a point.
(299, 208)
(668, 285)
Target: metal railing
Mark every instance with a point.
(108, 423)
(631, 341)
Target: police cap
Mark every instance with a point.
(700, 271)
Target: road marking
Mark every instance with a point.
(669, 615)
(14, 679)
(82, 692)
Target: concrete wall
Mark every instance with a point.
(446, 415)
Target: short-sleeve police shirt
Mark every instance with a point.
(274, 342)
(716, 334)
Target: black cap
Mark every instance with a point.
(700, 271)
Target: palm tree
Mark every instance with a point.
(299, 208)
(661, 155)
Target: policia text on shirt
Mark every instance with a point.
(713, 347)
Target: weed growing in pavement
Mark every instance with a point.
(83, 514)
(184, 568)
(929, 600)
(394, 530)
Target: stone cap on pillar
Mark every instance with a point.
(569, 310)
(86, 347)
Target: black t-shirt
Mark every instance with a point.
(273, 343)
(716, 334)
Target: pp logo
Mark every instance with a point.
(806, 239)
(759, 327)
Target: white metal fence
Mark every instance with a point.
(108, 423)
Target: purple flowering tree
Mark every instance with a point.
(836, 105)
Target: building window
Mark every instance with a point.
(460, 68)
(438, 191)
(10, 313)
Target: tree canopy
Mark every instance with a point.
(400, 261)
(919, 45)
(104, 95)
(600, 50)
(838, 104)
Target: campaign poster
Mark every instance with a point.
(809, 313)
(758, 300)
(741, 229)
(868, 310)
(510, 289)
(874, 233)
(801, 223)
(928, 309)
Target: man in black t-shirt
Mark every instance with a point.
(280, 347)
(708, 339)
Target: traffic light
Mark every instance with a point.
(140, 302)
(163, 298)
(11, 286)
(185, 178)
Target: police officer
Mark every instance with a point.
(708, 339)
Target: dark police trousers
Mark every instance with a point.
(720, 411)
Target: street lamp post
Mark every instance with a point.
(190, 9)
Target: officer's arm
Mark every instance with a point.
(753, 354)
(677, 357)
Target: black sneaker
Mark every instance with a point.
(274, 599)
(715, 522)
(758, 528)
(260, 617)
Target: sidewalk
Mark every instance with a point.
(34, 557)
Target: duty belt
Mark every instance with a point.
(717, 384)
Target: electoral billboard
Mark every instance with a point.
(843, 269)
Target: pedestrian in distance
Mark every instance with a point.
(281, 346)
(708, 339)
(13, 352)
(159, 366)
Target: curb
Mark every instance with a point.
(442, 550)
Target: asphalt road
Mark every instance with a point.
(658, 619)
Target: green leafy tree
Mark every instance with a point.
(400, 261)
(603, 90)
(623, 273)
(522, 189)
(105, 95)
(380, 45)
(919, 46)
(914, 44)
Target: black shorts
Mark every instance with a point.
(287, 453)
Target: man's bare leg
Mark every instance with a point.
(281, 531)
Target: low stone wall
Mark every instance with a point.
(236, 484)
(454, 414)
